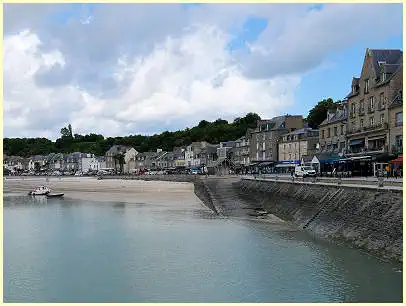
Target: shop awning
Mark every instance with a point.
(285, 165)
(355, 142)
(360, 157)
(264, 164)
(376, 137)
(330, 160)
(397, 161)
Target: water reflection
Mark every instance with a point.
(143, 252)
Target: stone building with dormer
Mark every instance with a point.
(333, 131)
(371, 94)
(265, 138)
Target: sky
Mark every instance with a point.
(125, 69)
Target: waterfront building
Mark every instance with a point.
(396, 124)
(241, 151)
(38, 160)
(294, 145)
(14, 163)
(379, 83)
(145, 160)
(192, 153)
(82, 162)
(129, 157)
(160, 160)
(55, 162)
(333, 131)
(101, 160)
(179, 158)
(208, 155)
(265, 138)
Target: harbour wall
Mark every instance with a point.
(366, 218)
(363, 217)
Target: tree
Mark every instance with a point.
(119, 158)
(67, 131)
(37, 167)
(319, 112)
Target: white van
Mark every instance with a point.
(304, 171)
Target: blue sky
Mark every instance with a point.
(127, 69)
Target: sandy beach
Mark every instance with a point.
(89, 188)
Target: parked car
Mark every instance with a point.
(304, 171)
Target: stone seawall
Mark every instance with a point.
(369, 219)
(366, 218)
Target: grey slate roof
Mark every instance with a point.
(340, 115)
(384, 55)
(118, 149)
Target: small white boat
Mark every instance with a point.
(40, 190)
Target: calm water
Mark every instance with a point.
(75, 251)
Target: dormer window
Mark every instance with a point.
(366, 88)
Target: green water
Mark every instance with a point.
(76, 251)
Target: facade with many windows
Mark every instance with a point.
(294, 145)
(396, 124)
(241, 151)
(368, 116)
(265, 138)
(333, 131)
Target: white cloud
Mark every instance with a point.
(125, 69)
(174, 82)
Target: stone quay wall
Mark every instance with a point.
(370, 219)
(366, 218)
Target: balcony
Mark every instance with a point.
(366, 129)
(371, 110)
(381, 106)
(361, 111)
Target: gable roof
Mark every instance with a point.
(389, 56)
(118, 149)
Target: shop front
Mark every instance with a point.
(287, 166)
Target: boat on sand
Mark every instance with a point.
(40, 190)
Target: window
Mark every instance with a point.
(353, 108)
(361, 105)
(371, 121)
(371, 103)
(361, 123)
(263, 146)
(328, 133)
(382, 118)
(322, 134)
(399, 119)
(366, 88)
(342, 145)
(335, 131)
(399, 141)
(342, 130)
(382, 100)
